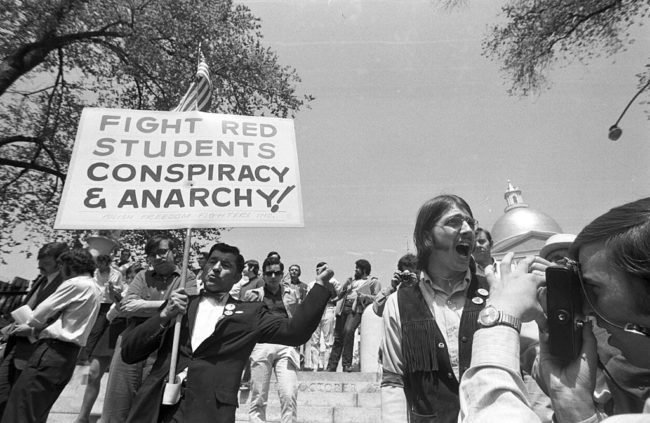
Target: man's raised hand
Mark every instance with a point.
(324, 275)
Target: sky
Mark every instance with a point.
(406, 108)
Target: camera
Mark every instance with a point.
(404, 277)
(563, 310)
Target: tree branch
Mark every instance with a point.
(32, 166)
(40, 142)
(27, 57)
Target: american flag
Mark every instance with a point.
(199, 95)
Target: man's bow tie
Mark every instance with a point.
(218, 296)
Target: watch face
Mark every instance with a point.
(488, 316)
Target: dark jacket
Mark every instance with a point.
(215, 368)
(19, 347)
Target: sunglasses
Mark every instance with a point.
(273, 274)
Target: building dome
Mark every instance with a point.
(519, 220)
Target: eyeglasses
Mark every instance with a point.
(456, 222)
(273, 274)
(161, 252)
(591, 300)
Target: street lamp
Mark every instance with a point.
(614, 131)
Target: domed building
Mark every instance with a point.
(521, 229)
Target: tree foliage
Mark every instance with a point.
(59, 56)
(539, 33)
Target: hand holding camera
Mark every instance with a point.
(402, 277)
(516, 291)
(570, 383)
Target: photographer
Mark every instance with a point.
(613, 253)
(406, 275)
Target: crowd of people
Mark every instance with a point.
(464, 337)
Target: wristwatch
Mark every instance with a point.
(490, 316)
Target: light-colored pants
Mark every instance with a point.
(124, 380)
(286, 361)
(318, 353)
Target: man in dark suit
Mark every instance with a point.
(217, 336)
(19, 346)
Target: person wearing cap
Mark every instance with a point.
(612, 254)
(620, 386)
(556, 247)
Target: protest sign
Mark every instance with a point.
(135, 169)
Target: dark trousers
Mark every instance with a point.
(8, 376)
(346, 324)
(177, 413)
(48, 370)
(18, 349)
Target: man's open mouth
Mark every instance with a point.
(463, 250)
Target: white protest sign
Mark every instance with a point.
(134, 169)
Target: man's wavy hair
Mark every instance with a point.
(625, 230)
(229, 249)
(428, 215)
(78, 260)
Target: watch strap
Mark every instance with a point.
(509, 320)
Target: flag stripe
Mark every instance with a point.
(199, 94)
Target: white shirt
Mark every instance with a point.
(73, 306)
(208, 313)
(113, 278)
(447, 311)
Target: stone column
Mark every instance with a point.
(371, 333)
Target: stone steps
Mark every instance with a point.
(323, 397)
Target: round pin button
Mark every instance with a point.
(477, 300)
(482, 292)
(228, 312)
(230, 306)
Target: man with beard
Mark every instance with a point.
(354, 297)
(217, 336)
(19, 348)
(144, 297)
